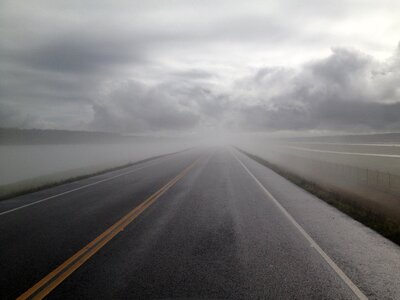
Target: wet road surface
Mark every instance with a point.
(204, 223)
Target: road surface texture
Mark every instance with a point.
(204, 223)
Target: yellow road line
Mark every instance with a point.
(42, 288)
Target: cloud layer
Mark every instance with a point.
(190, 66)
(347, 91)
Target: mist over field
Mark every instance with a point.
(270, 78)
(181, 75)
(35, 158)
(63, 161)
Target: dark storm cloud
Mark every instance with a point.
(134, 107)
(58, 87)
(177, 105)
(82, 53)
(346, 91)
(41, 78)
(89, 48)
(12, 117)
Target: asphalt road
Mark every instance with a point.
(204, 223)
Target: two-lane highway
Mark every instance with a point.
(204, 223)
(37, 236)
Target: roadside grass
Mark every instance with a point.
(352, 205)
(37, 184)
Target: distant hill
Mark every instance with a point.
(378, 138)
(12, 136)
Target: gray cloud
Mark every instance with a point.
(134, 107)
(174, 104)
(346, 91)
(146, 66)
(82, 53)
(12, 117)
(193, 74)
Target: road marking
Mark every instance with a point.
(345, 152)
(77, 189)
(313, 244)
(341, 144)
(42, 288)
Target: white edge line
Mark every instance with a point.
(76, 189)
(325, 256)
(345, 152)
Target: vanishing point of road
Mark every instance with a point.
(202, 223)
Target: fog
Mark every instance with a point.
(21, 162)
(367, 173)
(186, 74)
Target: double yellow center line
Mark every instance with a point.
(42, 288)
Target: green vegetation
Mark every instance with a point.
(351, 205)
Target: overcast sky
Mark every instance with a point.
(201, 66)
